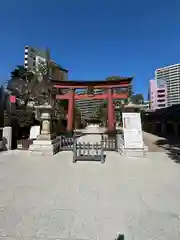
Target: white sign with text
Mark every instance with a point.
(132, 130)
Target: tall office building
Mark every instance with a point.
(157, 95)
(32, 56)
(171, 76)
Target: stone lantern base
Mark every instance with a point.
(44, 137)
(44, 147)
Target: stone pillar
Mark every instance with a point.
(70, 112)
(7, 138)
(114, 114)
(46, 124)
(110, 111)
(46, 132)
(175, 129)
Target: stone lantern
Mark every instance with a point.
(44, 113)
(46, 143)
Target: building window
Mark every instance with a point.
(161, 91)
(160, 100)
(161, 105)
(161, 96)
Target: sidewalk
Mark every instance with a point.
(150, 140)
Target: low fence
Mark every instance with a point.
(88, 152)
(66, 143)
(110, 143)
(24, 144)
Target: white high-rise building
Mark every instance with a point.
(32, 56)
(171, 76)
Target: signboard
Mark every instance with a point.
(132, 130)
(34, 132)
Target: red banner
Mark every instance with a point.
(12, 99)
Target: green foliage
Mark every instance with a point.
(137, 98)
(111, 78)
(21, 73)
(21, 81)
(42, 67)
(64, 103)
(102, 113)
(35, 85)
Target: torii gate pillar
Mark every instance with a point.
(110, 112)
(70, 111)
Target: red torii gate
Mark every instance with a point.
(71, 96)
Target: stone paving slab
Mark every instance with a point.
(52, 198)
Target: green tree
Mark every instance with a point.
(77, 117)
(137, 98)
(111, 78)
(21, 72)
(21, 81)
(102, 113)
(35, 85)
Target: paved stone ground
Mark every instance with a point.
(52, 198)
(150, 140)
(94, 137)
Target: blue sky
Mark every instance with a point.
(93, 39)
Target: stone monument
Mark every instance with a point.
(132, 144)
(7, 138)
(46, 143)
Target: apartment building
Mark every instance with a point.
(157, 95)
(171, 76)
(89, 108)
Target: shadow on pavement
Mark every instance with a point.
(171, 146)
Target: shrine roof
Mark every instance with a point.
(59, 66)
(95, 82)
